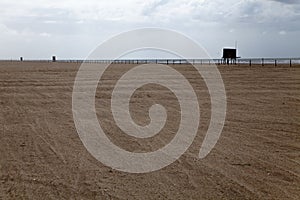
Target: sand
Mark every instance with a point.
(42, 157)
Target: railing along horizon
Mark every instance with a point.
(239, 61)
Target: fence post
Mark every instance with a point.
(275, 62)
(250, 62)
(262, 62)
(290, 62)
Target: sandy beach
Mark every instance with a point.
(42, 156)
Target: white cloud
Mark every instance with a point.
(282, 32)
(4, 30)
(45, 34)
(215, 23)
(158, 11)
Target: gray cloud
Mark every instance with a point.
(288, 1)
(153, 6)
(263, 28)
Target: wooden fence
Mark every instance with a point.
(245, 61)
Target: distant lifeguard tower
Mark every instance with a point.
(229, 56)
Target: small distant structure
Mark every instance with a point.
(53, 58)
(229, 56)
(21, 59)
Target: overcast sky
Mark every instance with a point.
(38, 29)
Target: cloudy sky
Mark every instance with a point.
(38, 29)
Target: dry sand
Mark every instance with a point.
(42, 157)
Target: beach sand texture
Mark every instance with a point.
(42, 157)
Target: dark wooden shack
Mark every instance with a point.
(229, 56)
